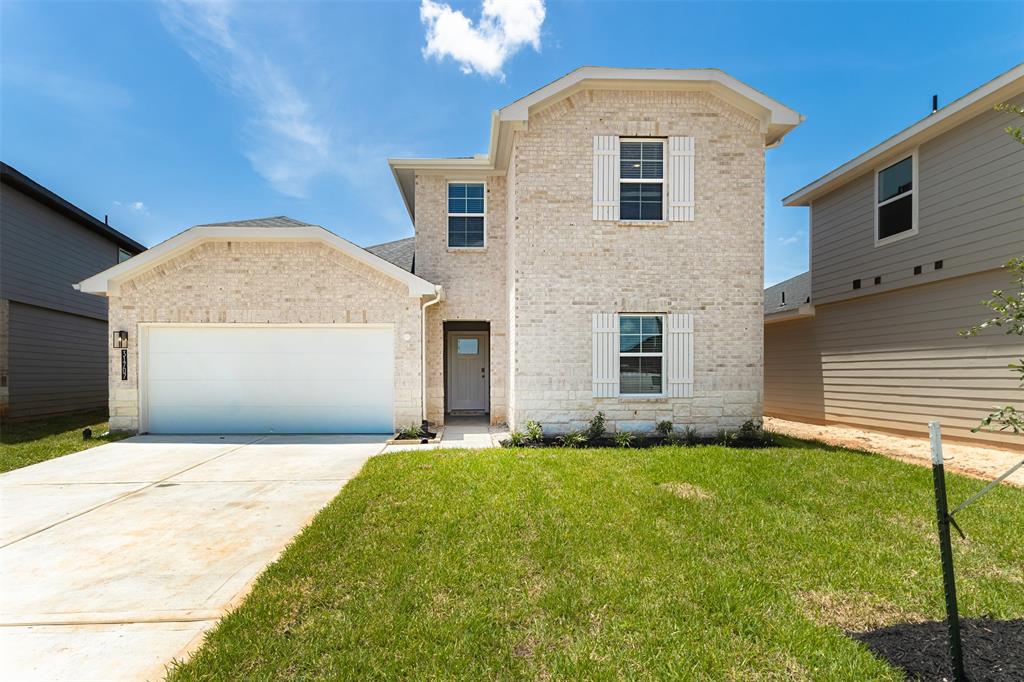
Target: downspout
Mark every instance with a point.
(423, 353)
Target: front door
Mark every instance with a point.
(468, 370)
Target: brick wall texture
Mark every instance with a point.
(264, 282)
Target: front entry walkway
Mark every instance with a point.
(116, 559)
(472, 433)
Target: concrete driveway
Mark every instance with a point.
(117, 559)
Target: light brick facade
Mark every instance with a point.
(264, 282)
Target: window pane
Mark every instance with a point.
(639, 376)
(896, 179)
(651, 343)
(651, 210)
(475, 191)
(629, 343)
(629, 324)
(463, 232)
(467, 346)
(640, 201)
(474, 205)
(456, 205)
(895, 217)
(651, 154)
(651, 325)
(456, 190)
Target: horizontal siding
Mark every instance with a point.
(895, 361)
(970, 216)
(58, 362)
(42, 253)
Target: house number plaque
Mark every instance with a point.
(124, 364)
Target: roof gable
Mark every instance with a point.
(106, 282)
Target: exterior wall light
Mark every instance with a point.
(120, 339)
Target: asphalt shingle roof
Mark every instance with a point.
(401, 252)
(274, 221)
(797, 292)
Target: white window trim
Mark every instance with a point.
(913, 198)
(448, 214)
(664, 185)
(620, 354)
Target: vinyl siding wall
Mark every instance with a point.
(895, 361)
(971, 216)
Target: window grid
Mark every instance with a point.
(903, 192)
(467, 210)
(658, 162)
(646, 322)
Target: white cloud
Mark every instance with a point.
(791, 239)
(137, 206)
(285, 142)
(505, 26)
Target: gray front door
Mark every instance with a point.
(468, 370)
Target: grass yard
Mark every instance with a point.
(24, 443)
(684, 563)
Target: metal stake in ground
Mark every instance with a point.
(946, 550)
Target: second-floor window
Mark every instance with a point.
(122, 255)
(895, 210)
(466, 211)
(641, 179)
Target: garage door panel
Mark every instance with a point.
(270, 379)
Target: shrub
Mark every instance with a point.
(410, 432)
(516, 439)
(690, 436)
(725, 437)
(534, 431)
(573, 439)
(750, 431)
(596, 430)
(623, 439)
(664, 428)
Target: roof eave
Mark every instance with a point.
(954, 113)
(804, 311)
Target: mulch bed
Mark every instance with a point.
(993, 649)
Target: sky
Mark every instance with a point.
(164, 115)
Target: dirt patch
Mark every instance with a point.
(970, 460)
(854, 611)
(687, 491)
(993, 649)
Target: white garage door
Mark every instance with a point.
(269, 379)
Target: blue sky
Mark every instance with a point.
(165, 115)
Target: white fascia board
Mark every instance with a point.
(106, 282)
(778, 114)
(979, 99)
(805, 310)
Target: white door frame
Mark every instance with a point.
(143, 328)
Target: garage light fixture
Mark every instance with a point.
(120, 339)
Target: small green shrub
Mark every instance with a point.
(725, 437)
(534, 431)
(750, 431)
(664, 428)
(410, 432)
(516, 439)
(573, 439)
(623, 439)
(690, 436)
(597, 429)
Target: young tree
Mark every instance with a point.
(1008, 312)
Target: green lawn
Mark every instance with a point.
(24, 443)
(684, 563)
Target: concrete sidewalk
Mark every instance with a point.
(116, 559)
(473, 433)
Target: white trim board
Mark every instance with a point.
(106, 282)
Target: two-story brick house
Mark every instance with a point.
(906, 240)
(604, 254)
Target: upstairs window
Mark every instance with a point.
(122, 255)
(466, 215)
(640, 354)
(896, 203)
(641, 179)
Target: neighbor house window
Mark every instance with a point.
(896, 210)
(122, 255)
(640, 354)
(465, 214)
(641, 179)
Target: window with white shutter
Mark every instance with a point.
(680, 178)
(606, 177)
(605, 356)
(679, 355)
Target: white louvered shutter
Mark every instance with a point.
(605, 355)
(680, 178)
(606, 177)
(679, 355)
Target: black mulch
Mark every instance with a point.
(993, 649)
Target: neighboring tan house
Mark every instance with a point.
(605, 254)
(906, 240)
(53, 339)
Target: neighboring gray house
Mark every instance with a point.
(605, 254)
(905, 241)
(53, 339)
